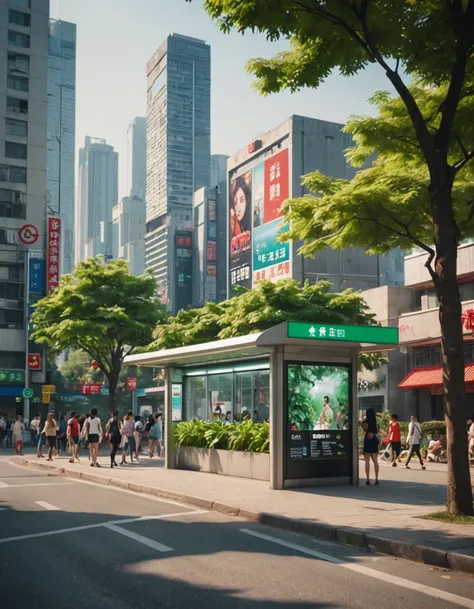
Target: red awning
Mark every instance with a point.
(432, 376)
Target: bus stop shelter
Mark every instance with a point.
(301, 377)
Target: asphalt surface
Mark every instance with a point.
(65, 542)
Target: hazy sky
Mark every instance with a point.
(115, 38)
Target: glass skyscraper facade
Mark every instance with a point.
(178, 157)
(136, 158)
(61, 132)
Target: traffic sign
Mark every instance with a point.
(28, 392)
(34, 361)
(28, 234)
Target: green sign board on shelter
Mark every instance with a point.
(352, 334)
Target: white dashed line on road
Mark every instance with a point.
(48, 506)
(391, 579)
(155, 545)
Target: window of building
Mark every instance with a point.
(13, 150)
(19, 18)
(12, 173)
(18, 63)
(466, 291)
(19, 106)
(18, 83)
(11, 204)
(196, 398)
(17, 39)
(14, 127)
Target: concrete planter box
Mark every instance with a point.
(225, 462)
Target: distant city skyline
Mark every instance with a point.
(111, 92)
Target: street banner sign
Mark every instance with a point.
(131, 384)
(28, 234)
(34, 361)
(53, 254)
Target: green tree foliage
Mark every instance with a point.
(267, 305)
(102, 310)
(78, 369)
(424, 175)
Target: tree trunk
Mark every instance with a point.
(113, 378)
(459, 492)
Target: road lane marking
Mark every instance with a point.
(48, 506)
(97, 525)
(155, 545)
(3, 484)
(386, 578)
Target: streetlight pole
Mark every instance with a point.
(26, 403)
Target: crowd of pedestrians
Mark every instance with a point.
(131, 435)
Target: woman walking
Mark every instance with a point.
(50, 431)
(94, 434)
(128, 428)
(371, 445)
(73, 430)
(113, 431)
(151, 428)
(17, 433)
(137, 434)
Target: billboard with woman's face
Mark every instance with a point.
(240, 230)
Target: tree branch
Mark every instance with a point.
(463, 162)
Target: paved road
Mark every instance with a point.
(64, 542)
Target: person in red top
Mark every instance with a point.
(395, 439)
(73, 430)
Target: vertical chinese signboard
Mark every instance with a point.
(184, 252)
(53, 254)
(257, 194)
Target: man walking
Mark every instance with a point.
(394, 438)
(73, 437)
(35, 429)
(414, 440)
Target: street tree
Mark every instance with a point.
(426, 44)
(102, 310)
(266, 305)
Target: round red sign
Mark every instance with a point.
(28, 234)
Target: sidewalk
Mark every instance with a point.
(382, 517)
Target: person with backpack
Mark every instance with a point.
(114, 435)
(414, 441)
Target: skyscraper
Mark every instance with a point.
(24, 28)
(97, 196)
(178, 159)
(129, 233)
(136, 158)
(61, 132)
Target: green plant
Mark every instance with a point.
(191, 433)
(217, 435)
(246, 436)
(431, 429)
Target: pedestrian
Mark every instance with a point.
(84, 439)
(371, 445)
(73, 431)
(159, 433)
(35, 428)
(17, 441)
(50, 432)
(137, 435)
(94, 436)
(152, 439)
(128, 440)
(470, 434)
(395, 439)
(61, 438)
(3, 430)
(113, 431)
(414, 439)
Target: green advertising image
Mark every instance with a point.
(318, 397)
(266, 250)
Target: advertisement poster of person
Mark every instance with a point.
(240, 235)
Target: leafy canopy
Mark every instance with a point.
(101, 309)
(266, 305)
(388, 204)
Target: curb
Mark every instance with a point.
(348, 536)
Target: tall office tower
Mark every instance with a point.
(61, 133)
(136, 158)
(178, 160)
(24, 29)
(97, 196)
(129, 233)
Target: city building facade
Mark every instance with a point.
(24, 32)
(266, 173)
(97, 196)
(209, 275)
(136, 158)
(129, 233)
(178, 160)
(62, 133)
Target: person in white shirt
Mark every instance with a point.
(18, 429)
(95, 435)
(34, 428)
(414, 440)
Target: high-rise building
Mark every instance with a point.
(178, 159)
(62, 132)
(97, 196)
(136, 158)
(209, 273)
(129, 233)
(24, 30)
(266, 173)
